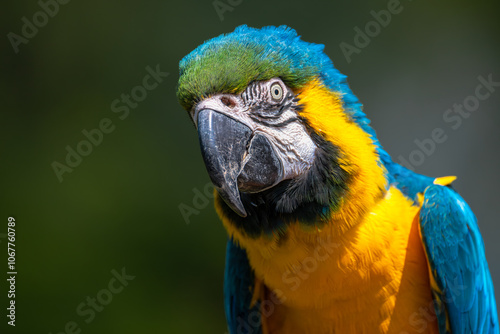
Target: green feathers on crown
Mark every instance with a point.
(228, 63)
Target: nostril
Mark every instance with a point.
(228, 102)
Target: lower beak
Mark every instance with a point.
(236, 158)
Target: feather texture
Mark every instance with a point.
(455, 251)
(394, 243)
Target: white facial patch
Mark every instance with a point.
(258, 108)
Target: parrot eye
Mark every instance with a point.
(276, 92)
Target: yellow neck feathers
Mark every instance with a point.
(324, 112)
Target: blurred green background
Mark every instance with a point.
(119, 208)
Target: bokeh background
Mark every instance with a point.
(119, 208)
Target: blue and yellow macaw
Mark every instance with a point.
(327, 233)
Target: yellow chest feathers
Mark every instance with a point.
(371, 279)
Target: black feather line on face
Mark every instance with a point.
(265, 113)
(309, 198)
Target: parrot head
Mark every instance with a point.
(283, 138)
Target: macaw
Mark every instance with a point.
(326, 233)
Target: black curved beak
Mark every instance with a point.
(223, 144)
(236, 158)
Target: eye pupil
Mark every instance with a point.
(276, 92)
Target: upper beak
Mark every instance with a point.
(236, 158)
(223, 144)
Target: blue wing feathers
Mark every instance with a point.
(456, 256)
(238, 292)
